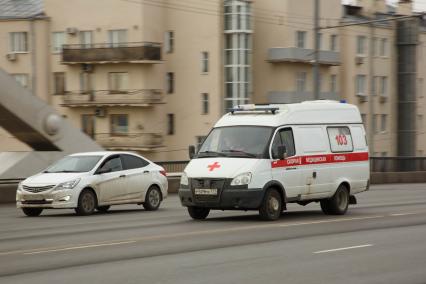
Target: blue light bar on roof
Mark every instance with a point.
(254, 108)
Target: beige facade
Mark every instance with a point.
(153, 77)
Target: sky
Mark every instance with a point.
(419, 5)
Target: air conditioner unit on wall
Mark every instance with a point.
(100, 112)
(87, 68)
(362, 98)
(359, 60)
(11, 56)
(72, 31)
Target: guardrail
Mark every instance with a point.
(397, 164)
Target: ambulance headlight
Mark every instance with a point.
(241, 179)
(184, 179)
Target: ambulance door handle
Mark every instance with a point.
(314, 174)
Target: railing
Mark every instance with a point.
(173, 166)
(113, 97)
(130, 141)
(398, 164)
(111, 52)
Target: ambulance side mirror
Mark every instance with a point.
(191, 151)
(282, 152)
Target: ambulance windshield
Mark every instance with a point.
(236, 141)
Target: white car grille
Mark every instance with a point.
(37, 189)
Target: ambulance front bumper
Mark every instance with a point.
(226, 198)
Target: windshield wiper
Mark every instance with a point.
(240, 152)
(211, 154)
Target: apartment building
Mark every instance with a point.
(154, 76)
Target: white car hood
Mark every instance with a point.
(51, 178)
(219, 167)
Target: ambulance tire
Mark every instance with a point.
(338, 204)
(271, 207)
(198, 213)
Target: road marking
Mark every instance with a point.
(332, 221)
(402, 214)
(345, 248)
(185, 234)
(80, 247)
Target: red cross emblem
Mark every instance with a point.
(213, 166)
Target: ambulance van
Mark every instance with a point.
(261, 157)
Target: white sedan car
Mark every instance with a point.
(96, 180)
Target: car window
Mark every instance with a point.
(113, 164)
(133, 162)
(283, 137)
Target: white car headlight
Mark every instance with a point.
(184, 179)
(68, 185)
(20, 186)
(242, 179)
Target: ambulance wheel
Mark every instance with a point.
(198, 213)
(338, 204)
(271, 207)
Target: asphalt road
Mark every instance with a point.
(380, 240)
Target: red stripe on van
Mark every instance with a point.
(320, 159)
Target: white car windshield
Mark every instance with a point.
(74, 164)
(236, 141)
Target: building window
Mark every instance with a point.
(205, 103)
(58, 40)
(360, 85)
(117, 38)
(59, 83)
(86, 39)
(360, 45)
(420, 88)
(420, 123)
(319, 41)
(22, 79)
(119, 124)
(204, 62)
(170, 80)
(301, 81)
(170, 41)
(384, 86)
(384, 123)
(85, 83)
(19, 42)
(333, 84)
(88, 124)
(200, 140)
(364, 119)
(383, 47)
(375, 123)
(333, 42)
(301, 39)
(375, 46)
(238, 45)
(118, 82)
(170, 124)
(237, 15)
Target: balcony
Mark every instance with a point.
(302, 55)
(141, 98)
(131, 141)
(139, 52)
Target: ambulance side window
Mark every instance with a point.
(283, 137)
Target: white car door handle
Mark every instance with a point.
(122, 176)
(146, 172)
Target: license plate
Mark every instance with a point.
(33, 197)
(205, 191)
